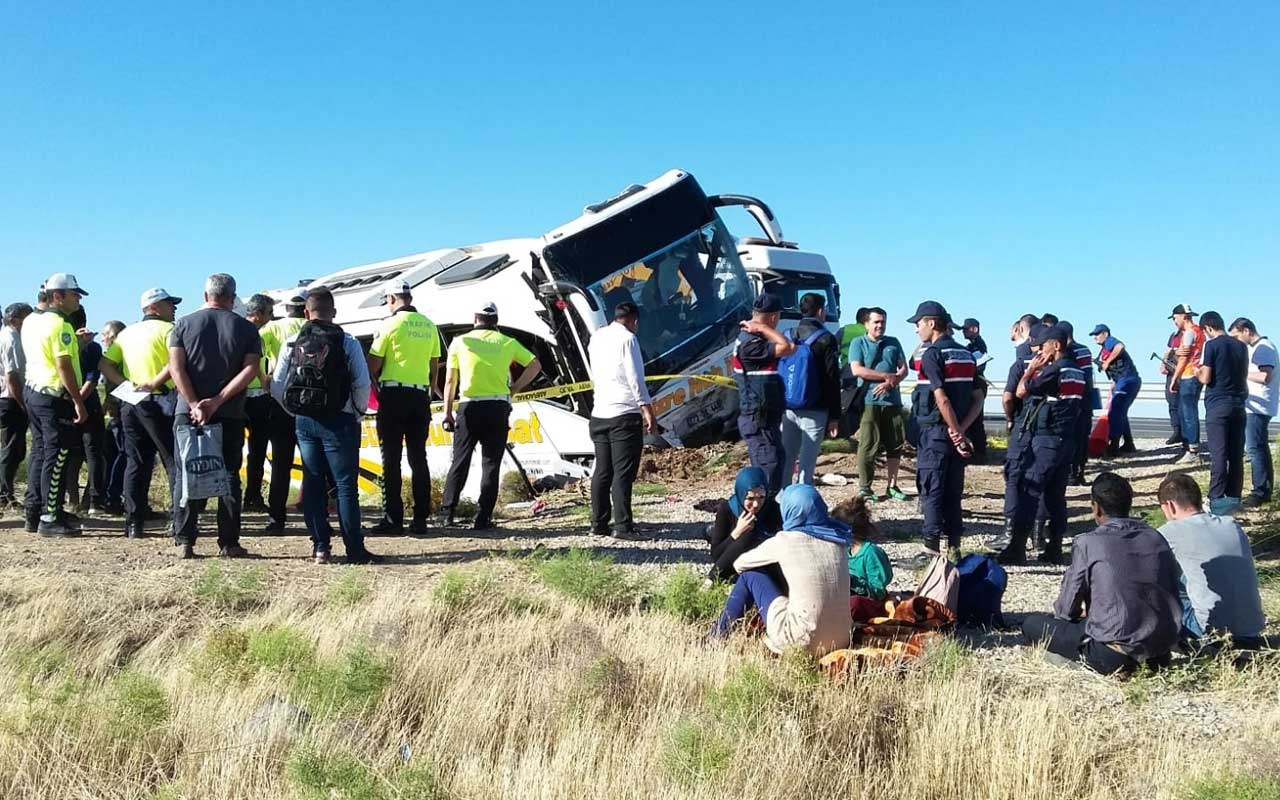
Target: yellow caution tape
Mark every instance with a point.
(581, 386)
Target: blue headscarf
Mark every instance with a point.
(748, 478)
(804, 510)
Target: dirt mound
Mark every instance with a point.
(692, 464)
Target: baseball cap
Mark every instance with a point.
(155, 295)
(1044, 333)
(258, 303)
(396, 286)
(1099, 328)
(63, 282)
(489, 309)
(970, 322)
(299, 299)
(767, 303)
(930, 308)
(1183, 308)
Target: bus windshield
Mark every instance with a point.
(690, 293)
(791, 286)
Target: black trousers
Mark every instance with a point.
(148, 433)
(1175, 410)
(90, 453)
(53, 437)
(114, 458)
(1224, 432)
(1067, 639)
(485, 423)
(619, 442)
(977, 434)
(404, 420)
(186, 519)
(13, 445)
(269, 424)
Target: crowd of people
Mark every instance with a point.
(298, 382)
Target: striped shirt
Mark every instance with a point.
(947, 365)
(1057, 391)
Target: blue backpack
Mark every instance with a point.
(799, 373)
(982, 585)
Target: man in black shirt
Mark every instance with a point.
(213, 356)
(1224, 371)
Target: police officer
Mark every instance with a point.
(1083, 357)
(92, 434)
(761, 396)
(944, 403)
(403, 361)
(1020, 335)
(140, 354)
(1053, 388)
(479, 378)
(54, 405)
(280, 430)
(976, 345)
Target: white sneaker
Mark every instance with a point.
(1189, 457)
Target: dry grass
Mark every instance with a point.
(489, 683)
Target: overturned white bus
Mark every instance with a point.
(661, 245)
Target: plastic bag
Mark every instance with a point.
(202, 470)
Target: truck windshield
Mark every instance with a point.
(691, 295)
(791, 286)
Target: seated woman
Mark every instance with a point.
(869, 567)
(811, 550)
(742, 522)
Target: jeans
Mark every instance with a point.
(148, 433)
(1067, 639)
(1123, 394)
(1257, 443)
(485, 423)
(763, 434)
(802, 435)
(1189, 411)
(186, 519)
(331, 445)
(753, 588)
(618, 444)
(13, 445)
(1224, 426)
(404, 420)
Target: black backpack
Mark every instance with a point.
(318, 383)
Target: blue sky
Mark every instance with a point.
(1101, 163)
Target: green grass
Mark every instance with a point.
(231, 590)
(351, 685)
(684, 596)
(695, 751)
(649, 490)
(1152, 515)
(139, 705)
(744, 700)
(945, 658)
(1233, 787)
(838, 446)
(589, 578)
(326, 775)
(459, 590)
(350, 590)
(281, 649)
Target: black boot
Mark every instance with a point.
(1042, 534)
(133, 529)
(1051, 550)
(1015, 553)
(1127, 445)
(1002, 539)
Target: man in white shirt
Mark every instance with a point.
(622, 414)
(326, 391)
(13, 414)
(1260, 406)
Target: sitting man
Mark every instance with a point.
(1126, 577)
(1217, 564)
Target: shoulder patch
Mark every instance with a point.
(66, 338)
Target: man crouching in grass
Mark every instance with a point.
(1119, 605)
